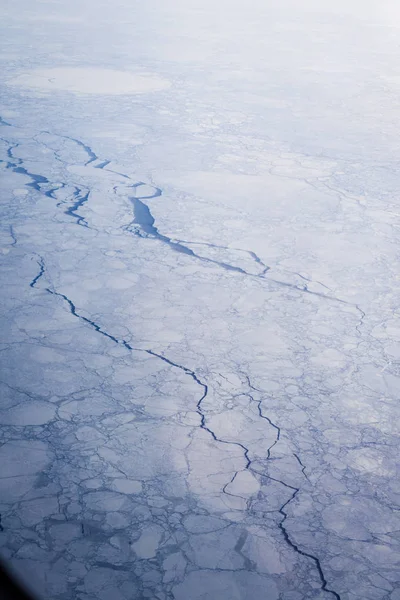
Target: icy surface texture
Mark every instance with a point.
(200, 336)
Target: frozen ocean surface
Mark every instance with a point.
(200, 334)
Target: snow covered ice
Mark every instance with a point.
(200, 335)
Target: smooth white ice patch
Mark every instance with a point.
(147, 544)
(104, 501)
(19, 457)
(127, 486)
(35, 412)
(91, 81)
(244, 485)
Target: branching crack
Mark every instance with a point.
(13, 236)
(303, 467)
(144, 219)
(43, 185)
(203, 425)
(295, 491)
(316, 560)
(144, 223)
(34, 281)
(80, 201)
